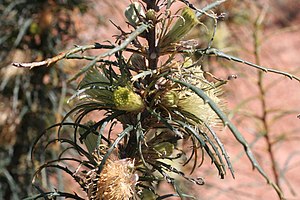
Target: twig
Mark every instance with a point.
(262, 91)
(204, 10)
(218, 53)
(70, 54)
(211, 6)
(114, 49)
(54, 59)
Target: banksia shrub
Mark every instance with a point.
(155, 105)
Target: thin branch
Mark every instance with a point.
(70, 54)
(211, 6)
(54, 59)
(218, 53)
(203, 11)
(262, 97)
(221, 54)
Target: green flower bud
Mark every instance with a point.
(182, 26)
(126, 99)
(170, 99)
(150, 15)
(164, 148)
(34, 28)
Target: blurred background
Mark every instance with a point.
(264, 106)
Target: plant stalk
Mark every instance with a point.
(262, 95)
(151, 39)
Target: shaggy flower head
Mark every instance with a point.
(116, 181)
(192, 103)
(196, 106)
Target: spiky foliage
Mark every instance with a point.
(155, 106)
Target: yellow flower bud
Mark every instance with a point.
(126, 99)
(150, 15)
(170, 99)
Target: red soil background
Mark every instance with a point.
(280, 50)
